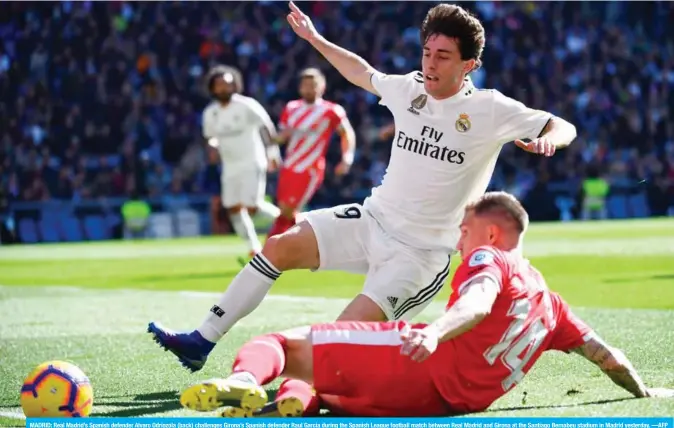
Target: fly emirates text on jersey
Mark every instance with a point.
(427, 144)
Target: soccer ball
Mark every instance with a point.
(56, 389)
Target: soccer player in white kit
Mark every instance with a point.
(232, 124)
(448, 135)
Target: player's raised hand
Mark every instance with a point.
(540, 146)
(418, 344)
(660, 392)
(301, 23)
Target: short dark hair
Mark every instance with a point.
(457, 23)
(221, 70)
(313, 73)
(504, 205)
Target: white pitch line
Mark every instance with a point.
(274, 297)
(12, 415)
(283, 298)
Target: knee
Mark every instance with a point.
(274, 250)
(298, 350)
(294, 249)
(252, 210)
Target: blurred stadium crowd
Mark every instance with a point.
(102, 99)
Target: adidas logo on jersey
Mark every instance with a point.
(418, 103)
(393, 301)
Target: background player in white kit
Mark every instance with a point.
(448, 137)
(235, 124)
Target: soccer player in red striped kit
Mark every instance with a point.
(306, 125)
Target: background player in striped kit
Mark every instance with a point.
(306, 125)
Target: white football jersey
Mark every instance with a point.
(237, 126)
(443, 156)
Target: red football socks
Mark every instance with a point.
(281, 224)
(263, 357)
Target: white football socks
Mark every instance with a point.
(244, 227)
(244, 294)
(268, 210)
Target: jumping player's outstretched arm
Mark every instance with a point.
(617, 366)
(354, 68)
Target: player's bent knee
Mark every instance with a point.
(234, 209)
(295, 249)
(252, 210)
(299, 354)
(362, 308)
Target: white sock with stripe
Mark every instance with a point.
(244, 294)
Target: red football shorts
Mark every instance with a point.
(359, 371)
(295, 189)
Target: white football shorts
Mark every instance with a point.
(400, 279)
(244, 187)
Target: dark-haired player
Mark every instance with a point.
(448, 137)
(501, 317)
(235, 124)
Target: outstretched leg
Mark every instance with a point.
(329, 239)
(257, 363)
(295, 249)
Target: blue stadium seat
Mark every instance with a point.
(95, 228)
(28, 231)
(113, 220)
(639, 205)
(617, 206)
(565, 204)
(49, 228)
(71, 228)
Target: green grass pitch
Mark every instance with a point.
(90, 303)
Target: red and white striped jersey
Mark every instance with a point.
(312, 125)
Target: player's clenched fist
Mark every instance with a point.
(418, 344)
(301, 23)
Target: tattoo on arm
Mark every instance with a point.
(614, 364)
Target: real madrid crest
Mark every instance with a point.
(462, 124)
